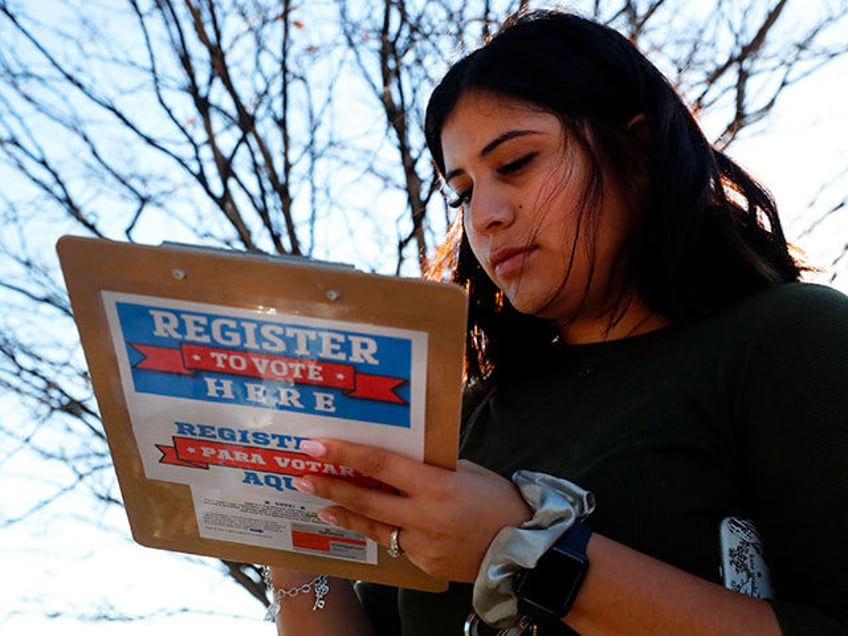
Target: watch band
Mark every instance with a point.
(556, 503)
(547, 592)
(576, 538)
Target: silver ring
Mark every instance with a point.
(394, 547)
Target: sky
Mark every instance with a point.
(63, 562)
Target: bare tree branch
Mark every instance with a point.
(283, 127)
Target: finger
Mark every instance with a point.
(397, 470)
(349, 520)
(381, 505)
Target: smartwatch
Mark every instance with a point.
(547, 592)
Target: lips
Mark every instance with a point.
(506, 261)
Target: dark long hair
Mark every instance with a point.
(708, 234)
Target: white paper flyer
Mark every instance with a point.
(220, 398)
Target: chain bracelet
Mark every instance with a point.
(524, 627)
(319, 586)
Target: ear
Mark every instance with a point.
(638, 127)
(639, 140)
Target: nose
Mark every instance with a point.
(489, 210)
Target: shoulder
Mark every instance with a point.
(799, 324)
(793, 316)
(794, 363)
(797, 301)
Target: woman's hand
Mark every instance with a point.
(447, 518)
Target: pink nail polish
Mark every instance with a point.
(303, 485)
(313, 448)
(328, 517)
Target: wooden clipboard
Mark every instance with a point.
(104, 277)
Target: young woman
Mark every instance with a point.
(636, 329)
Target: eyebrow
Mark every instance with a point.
(490, 147)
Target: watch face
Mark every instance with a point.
(553, 583)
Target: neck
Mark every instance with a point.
(636, 320)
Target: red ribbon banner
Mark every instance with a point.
(191, 358)
(196, 453)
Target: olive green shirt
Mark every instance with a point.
(744, 413)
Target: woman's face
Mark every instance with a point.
(521, 183)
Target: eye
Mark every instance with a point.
(460, 199)
(518, 164)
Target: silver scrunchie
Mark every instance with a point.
(556, 505)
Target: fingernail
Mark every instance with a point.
(313, 448)
(303, 485)
(328, 517)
